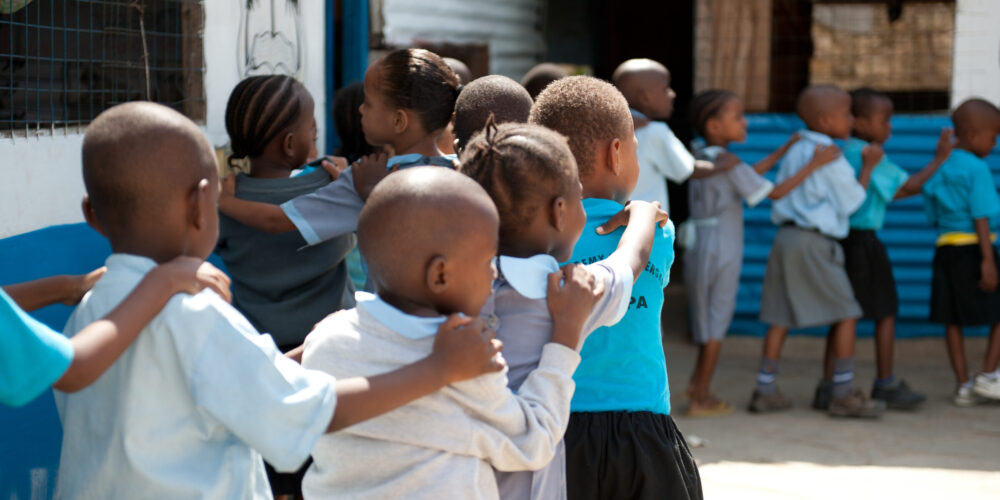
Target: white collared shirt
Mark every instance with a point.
(661, 155)
(190, 407)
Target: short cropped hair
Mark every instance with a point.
(864, 99)
(494, 95)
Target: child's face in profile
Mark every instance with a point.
(660, 97)
(377, 116)
(876, 126)
(730, 125)
(304, 134)
(575, 220)
(982, 141)
(838, 121)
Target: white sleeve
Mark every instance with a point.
(675, 161)
(617, 277)
(267, 400)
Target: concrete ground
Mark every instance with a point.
(938, 451)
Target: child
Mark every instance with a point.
(865, 257)
(186, 410)
(805, 283)
(715, 256)
(281, 287)
(646, 85)
(540, 76)
(530, 173)
(442, 445)
(347, 118)
(962, 204)
(494, 95)
(409, 99)
(621, 441)
(446, 141)
(34, 357)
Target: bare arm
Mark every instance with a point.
(99, 344)
(640, 219)
(32, 295)
(771, 160)
(260, 216)
(988, 266)
(821, 156)
(916, 181)
(463, 349)
(723, 163)
(870, 156)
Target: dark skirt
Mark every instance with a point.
(955, 295)
(867, 264)
(628, 455)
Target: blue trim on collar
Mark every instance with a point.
(530, 276)
(407, 325)
(638, 114)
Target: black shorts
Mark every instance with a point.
(628, 455)
(286, 483)
(955, 295)
(867, 264)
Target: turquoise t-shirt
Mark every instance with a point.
(32, 355)
(886, 179)
(959, 192)
(622, 367)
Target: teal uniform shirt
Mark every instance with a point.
(886, 179)
(959, 192)
(32, 355)
(622, 367)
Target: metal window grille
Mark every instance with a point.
(63, 62)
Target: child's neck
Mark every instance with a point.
(522, 249)
(965, 146)
(262, 167)
(408, 306)
(864, 137)
(715, 141)
(421, 144)
(596, 187)
(824, 132)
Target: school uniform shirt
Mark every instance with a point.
(518, 311)
(959, 192)
(32, 355)
(826, 199)
(441, 445)
(334, 209)
(622, 367)
(190, 407)
(885, 181)
(661, 155)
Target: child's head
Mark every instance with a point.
(540, 76)
(717, 116)
(429, 236)
(460, 69)
(977, 123)
(496, 95)
(826, 109)
(530, 173)
(646, 85)
(872, 111)
(347, 119)
(409, 95)
(594, 117)
(152, 184)
(271, 116)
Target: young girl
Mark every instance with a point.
(713, 236)
(409, 99)
(281, 287)
(530, 174)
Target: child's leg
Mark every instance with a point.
(773, 342)
(708, 358)
(992, 350)
(987, 383)
(956, 353)
(885, 334)
(841, 344)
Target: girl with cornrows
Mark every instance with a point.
(713, 236)
(282, 288)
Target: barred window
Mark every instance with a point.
(63, 62)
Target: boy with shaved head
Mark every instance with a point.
(963, 206)
(189, 409)
(805, 284)
(430, 237)
(506, 100)
(645, 84)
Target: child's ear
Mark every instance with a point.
(557, 213)
(400, 121)
(614, 162)
(437, 274)
(288, 145)
(712, 126)
(199, 203)
(90, 216)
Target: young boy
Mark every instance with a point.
(494, 95)
(805, 283)
(962, 204)
(540, 76)
(190, 408)
(865, 257)
(621, 441)
(646, 85)
(441, 446)
(34, 357)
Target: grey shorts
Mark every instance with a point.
(805, 283)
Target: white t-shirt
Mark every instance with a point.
(661, 155)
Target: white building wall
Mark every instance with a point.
(511, 28)
(976, 67)
(41, 183)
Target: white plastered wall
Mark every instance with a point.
(976, 67)
(40, 177)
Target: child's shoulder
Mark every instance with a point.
(341, 326)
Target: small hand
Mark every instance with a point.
(81, 285)
(464, 348)
(192, 275)
(871, 155)
(621, 218)
(988, 273)
(726, 161)
(572, 293)
(369, 171)
(823, 155)
(946, 142)
(334, 165)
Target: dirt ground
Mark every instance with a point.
(938, 451)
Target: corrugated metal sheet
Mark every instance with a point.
(511, 28)
(907, 234)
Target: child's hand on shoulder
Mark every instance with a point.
(725, 161)
(635, 209)
(871, 155)
(192, 275)
(82, 284)
(572, 293)
(464, 348)
(334, 165)
(946, 143)
(823, 155)
(369, 171)
(789, 143)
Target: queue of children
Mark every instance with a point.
(530, 239)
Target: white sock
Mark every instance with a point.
(967, 384)
(992, 375)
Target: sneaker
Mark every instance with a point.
(987, 387)
(767, 403)
(965, 397)
(823, 395)
(856, 405)
(898, 396)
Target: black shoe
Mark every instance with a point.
(898, 396)
(823, 395)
